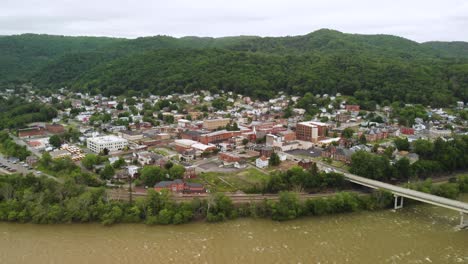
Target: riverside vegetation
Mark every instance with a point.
(43, 200)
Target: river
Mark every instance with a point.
(415, 234)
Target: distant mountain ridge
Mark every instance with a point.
(324, 60)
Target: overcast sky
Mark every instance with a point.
(420, 20)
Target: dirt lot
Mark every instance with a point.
(214, 167)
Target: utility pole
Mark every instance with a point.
(131, 173)
(130, 198)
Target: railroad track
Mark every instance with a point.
(236, 198)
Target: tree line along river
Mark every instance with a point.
(416, 234)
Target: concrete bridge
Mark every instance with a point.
(400, 192)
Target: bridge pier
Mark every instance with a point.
(398, 202)
(463, 220)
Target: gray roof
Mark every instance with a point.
(167, 183)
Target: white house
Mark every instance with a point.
(261, 162)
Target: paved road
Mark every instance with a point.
(22, 143)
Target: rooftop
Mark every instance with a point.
(106, 139)
(313, 123)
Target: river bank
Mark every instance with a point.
(415, 234)
(45, 201)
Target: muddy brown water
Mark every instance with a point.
(415, 234)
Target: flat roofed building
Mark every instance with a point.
(212, 124)
(130, 134)
(218, 136)
(111, 143)
(311, 131)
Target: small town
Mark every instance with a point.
(233, 131)
(201, 143)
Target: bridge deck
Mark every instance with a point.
(412, 194)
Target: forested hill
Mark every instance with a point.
(371, 67)
(455, 49)
(21, 55)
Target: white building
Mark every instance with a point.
(183, 122)
(261, 162)
(111, 143)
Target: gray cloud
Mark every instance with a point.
(417, 19)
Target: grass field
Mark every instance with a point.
(231, 182)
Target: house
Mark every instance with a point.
(112, 160)
(188, 155)
(352, 108)
(183, 123)
(266, 151)
(190, 172)
(305, 164)
(412, 157)
(242, 164)
(282, 156)
(338, 154)
(407, 130)
(261, 162)
(146, 157)
(132, 170)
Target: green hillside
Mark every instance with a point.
(456, 49)
(21, 55)
(373, 68)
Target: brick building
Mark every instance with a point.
(305, 164)
(218, 136)
(338, 153)
(311, 131)
(229, 157)
(192, 135)
(407, 130)
(212, 124)
(374, 134)
(31, 132)
(352, 108)
(55, 128)
(179, 186)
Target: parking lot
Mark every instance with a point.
(8, 167)
(312, 152)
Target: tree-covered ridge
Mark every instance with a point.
(376, 67)
(455, 49)
(262, 75)
(21, 55)
(16, 112)
(332, 41)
